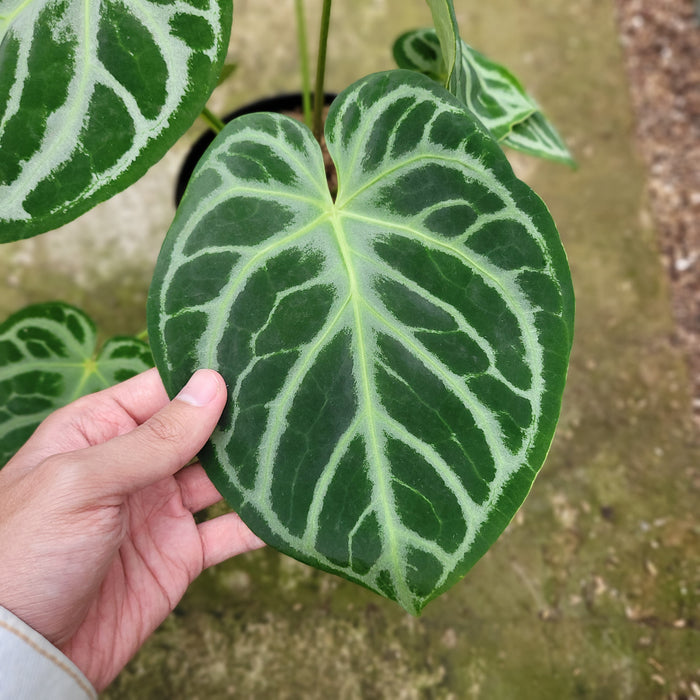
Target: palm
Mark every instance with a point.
(97, 520)
(158, 558)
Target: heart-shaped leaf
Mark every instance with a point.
(94, 93)
(396, 358)
(48, 358)
(488, 89)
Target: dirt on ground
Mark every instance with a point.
(661, 41)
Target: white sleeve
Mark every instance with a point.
(32, 668)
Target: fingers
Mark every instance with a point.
(93, 419)
(139, 397)
(165, 442)
(225, 537)
(196, 488)
(222, 537)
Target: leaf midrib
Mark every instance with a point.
(380, 482)
(517, 308)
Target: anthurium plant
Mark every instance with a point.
(395, 352)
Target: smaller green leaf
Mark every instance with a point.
(419, 50)
(48, 358)
(488, 89)
(537, 137)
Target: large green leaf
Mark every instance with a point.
(396, 358)
(48, 358)
(94, 93)
(488, 89)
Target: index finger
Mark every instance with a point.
(139, 397)
(94, 419)
(164, 443)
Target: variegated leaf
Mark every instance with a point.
(94, 93)
(538, 137)
(48, 358)
(489, 90)
(395, 358)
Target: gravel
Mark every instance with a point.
(661, 42)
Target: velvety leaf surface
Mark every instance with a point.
(92, 94)
(396, 358)
(488, 89)
(48, 358)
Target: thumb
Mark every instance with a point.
(166, 441)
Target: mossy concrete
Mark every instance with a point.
(592, 592)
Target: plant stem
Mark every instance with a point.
(321, 69)
(214, 122)
(304, 61)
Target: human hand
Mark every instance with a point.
(97, 538)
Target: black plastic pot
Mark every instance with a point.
(279, 103)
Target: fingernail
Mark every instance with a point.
(201, 389)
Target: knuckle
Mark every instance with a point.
(66, 471)
(167, 430)
(60, 464)
(84, 422)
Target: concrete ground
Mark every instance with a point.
(592, 592)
